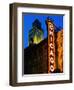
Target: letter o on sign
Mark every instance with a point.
(51, 68)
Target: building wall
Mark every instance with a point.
(60, 49)
(35, 58)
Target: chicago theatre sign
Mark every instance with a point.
(51, 47)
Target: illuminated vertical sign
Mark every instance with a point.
(51, 47)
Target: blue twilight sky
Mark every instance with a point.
(29, 18)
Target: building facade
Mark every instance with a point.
(35, 58)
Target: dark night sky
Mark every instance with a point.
(28, 19)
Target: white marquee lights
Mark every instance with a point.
(51, 47)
